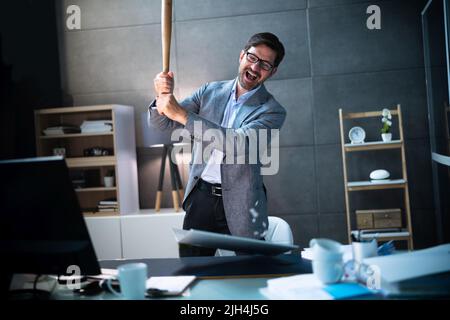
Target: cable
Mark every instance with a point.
(35, 284)
(36, 281)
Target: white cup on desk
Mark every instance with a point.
(362, 250)
(327, 262)
(132, 279)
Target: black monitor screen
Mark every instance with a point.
(42, 229)
(436, 71)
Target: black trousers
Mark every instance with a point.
(204, 211)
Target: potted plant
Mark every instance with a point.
(386, 134)
(109, 179)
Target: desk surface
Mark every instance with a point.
(219, 278)
(202, 289)
(220, 267)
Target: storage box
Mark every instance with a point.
(379, 219)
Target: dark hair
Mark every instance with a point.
(270, 40)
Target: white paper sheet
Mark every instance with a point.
(170, 285)
(299, 287)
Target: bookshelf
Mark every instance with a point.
(405, 233)
(118, 156)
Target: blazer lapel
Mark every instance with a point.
(221, 96)
(251, 105)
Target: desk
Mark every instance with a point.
(219, 278)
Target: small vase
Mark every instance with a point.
(386, 137)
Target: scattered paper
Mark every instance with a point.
(308, 287)
(169, 285)
(109, 272)
(299, 287)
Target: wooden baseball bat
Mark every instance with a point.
(166, 32)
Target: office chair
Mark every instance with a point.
(279, 232)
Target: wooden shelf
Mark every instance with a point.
(100, 214)
(369, 185)
(369, 114)
(80, 109)
(77, 135)
(85, 162)
(375, 145)
(120, 161)
(407, 233)
(97, 189)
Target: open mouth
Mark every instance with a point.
(250, 75)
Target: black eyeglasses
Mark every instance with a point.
(252, 58)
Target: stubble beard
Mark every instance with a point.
(243, 84)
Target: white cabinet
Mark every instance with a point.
(106, 236)
(150, 235)
(145, 234)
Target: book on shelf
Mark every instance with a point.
(61, 130)
(96, 126)
(107, 209)
(107, 206)
(115, 204)
(111, 201)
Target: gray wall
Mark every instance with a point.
(332, 60)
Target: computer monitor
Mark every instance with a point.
(42, 229)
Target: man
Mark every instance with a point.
(219, 194)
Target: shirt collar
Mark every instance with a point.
(244, 97)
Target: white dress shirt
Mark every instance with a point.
(211, 173)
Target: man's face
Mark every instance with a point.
(253, 74)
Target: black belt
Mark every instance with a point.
(214, 189)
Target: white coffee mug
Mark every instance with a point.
(328, 271)
(327, 262)
(132, 279)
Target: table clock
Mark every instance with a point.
(357, 135)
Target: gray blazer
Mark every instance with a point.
(242, 184)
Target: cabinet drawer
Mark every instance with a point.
(364, 220)
(378, 219)
(387, 219)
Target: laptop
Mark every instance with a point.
(228, 242)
